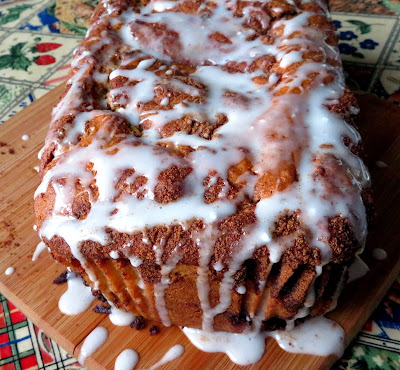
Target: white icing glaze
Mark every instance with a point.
(114, 254)
(242, 349)
(159, 288)
(218, 266)
(40, 152)
(291, 58)
(126, 360)
(119, 317)
(172, 354)
(262, 125)
(10, 270)
(318, 336)
(92, 343)
(357, 270)
(135, 262)
(241, 289)
(25, 137)
(160, 6)
(379, 254)
(39, 249)
(77, 298)
(140, 284)
(36, 168)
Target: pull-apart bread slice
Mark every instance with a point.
(201, 168)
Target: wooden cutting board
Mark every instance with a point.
(31, 288)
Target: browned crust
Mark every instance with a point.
(288, 282)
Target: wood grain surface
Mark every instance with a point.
(31, 288)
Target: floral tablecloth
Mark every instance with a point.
(37, 38)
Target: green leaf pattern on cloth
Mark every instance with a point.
(20, 58)
(74, 28)
(361, 26)
(12, 14)
(362, 357)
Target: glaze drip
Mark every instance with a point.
(77, 298)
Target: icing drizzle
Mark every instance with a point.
(77, 298)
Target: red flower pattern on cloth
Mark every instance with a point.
(21, 56)
(44, 60)
(44, 47)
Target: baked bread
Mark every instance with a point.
(201, 168)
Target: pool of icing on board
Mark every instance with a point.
(318, 336)
(126, 360)
(10, 270)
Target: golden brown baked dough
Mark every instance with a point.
(201, 168)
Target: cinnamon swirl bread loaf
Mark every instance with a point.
(201, 168)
